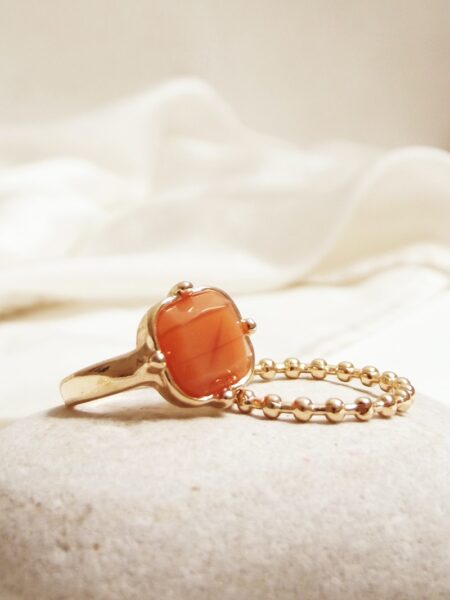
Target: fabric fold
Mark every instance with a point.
(116, 205)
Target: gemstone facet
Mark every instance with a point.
(203, 340)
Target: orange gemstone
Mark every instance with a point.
(204, 342)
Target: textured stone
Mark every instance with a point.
(141, 500)
(204, 342)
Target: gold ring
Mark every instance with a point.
(194, 348)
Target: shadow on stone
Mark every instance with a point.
(133, 406)
(132, 412)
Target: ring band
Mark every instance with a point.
(194, 348)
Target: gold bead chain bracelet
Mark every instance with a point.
(396, 397)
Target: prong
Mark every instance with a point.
(158, 360)
(227, 398)
(180, 288)
(249, 325)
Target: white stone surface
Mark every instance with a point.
(133, 500)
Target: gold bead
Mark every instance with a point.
(369, 375)
(401, 381)
(364, 409)
(404, 401)
(335, 410)
(245, 399)
(302, 409)
(272, 406)
(404, 384)
(387, 381)
(389, 407)
(402, 395)
(345, 370)
(267, 368)
(409, 389)
(293, 368)
(318, 368)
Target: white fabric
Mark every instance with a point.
(113, 207)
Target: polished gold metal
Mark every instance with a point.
(396, 397)
(293, 368)
(302, 409)
(335, 410)
(146, 367)
(267, 368)
(318, 368)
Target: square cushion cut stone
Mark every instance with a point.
(204, 343)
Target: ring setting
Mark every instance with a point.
(193, 346)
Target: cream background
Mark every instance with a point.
(375, 72)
